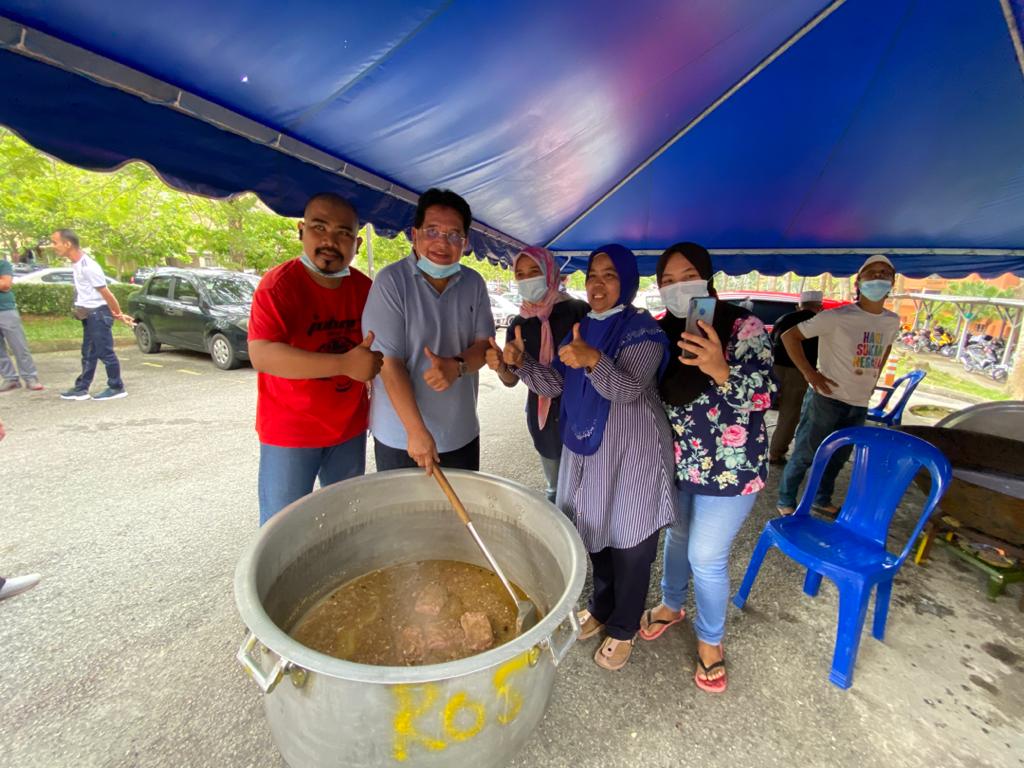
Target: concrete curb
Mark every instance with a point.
(67, 345)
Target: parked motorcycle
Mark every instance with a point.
(983, 358)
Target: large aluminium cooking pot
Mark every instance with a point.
(475, 711)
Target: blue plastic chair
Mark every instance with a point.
(852, 550)
(894, 416)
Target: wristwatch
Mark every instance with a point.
(463, 368)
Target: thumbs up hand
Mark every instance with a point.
(442, 371)
(361, 362)
(492, 357)
(515, 349)
(577, 353)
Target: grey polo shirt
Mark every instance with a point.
(406, 314)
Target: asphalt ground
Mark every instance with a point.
(135, 512)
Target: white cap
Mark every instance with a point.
(878, 257)
(811, 297)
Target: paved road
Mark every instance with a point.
(135, 511)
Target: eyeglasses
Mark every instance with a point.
(453, 237)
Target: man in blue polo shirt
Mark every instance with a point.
(432, 320)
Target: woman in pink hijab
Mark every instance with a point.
(546, 317)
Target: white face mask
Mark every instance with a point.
(676, 296)
(533, 289)
(607, 313)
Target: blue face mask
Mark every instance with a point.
(875, 290)
(437, 271)
(607, 313)
(308, 262)
(533, 289)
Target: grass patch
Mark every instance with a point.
(45, 330)
(955, 381)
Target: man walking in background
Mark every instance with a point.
(12, 335)
(792, 385)
(97, 308)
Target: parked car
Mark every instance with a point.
(769, 306)
(58, 275)
(139, 275)
(21, 268)
(503, 310)
(198, 309)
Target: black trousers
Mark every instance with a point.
(466, 457)
(621, 579)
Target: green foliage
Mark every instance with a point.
(130, 218)
(43, 299)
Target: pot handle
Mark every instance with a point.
(266, 682)
(559, 653)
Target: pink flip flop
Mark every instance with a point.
(656, 627)
(719, 684)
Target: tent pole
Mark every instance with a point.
(1011, 341)
(369, 249)
(1011, 24)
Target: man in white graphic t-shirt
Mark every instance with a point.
(853, 343)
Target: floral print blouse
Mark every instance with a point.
(721, 444)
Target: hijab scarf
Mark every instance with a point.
(542, 311)
(584, 410)
(682, 384)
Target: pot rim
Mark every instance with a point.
(250, 607)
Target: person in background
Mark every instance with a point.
(854, 343)
(432, 320)
(792, 385)
(615, 481)
(715, 402)
(546, 316)
(17, 584)
(97, 308)
(306, 340)
(12, 335)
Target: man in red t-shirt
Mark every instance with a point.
(306, 340)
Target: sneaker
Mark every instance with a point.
(111, 394)
(8, 386)
(75, 394)
(17, 585)
(34, 385)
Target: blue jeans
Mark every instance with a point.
(820, 416)
(551, 467)
(98, 344)
(699, 543)
(287, 474)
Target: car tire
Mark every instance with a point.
(223, 352)
(998, 373)
(145, 338)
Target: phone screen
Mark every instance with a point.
(702, 308)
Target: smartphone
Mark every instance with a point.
(702, 308)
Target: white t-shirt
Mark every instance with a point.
(88, 279)
(851, 345)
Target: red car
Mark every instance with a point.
(769, 306)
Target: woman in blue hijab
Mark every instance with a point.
(616, 475)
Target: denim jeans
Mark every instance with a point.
(820, 416)
(287, 474)
(699, 543)
(550, 467)
(98, 344)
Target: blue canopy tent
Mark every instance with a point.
(796, 135)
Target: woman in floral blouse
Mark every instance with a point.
(715, 402)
